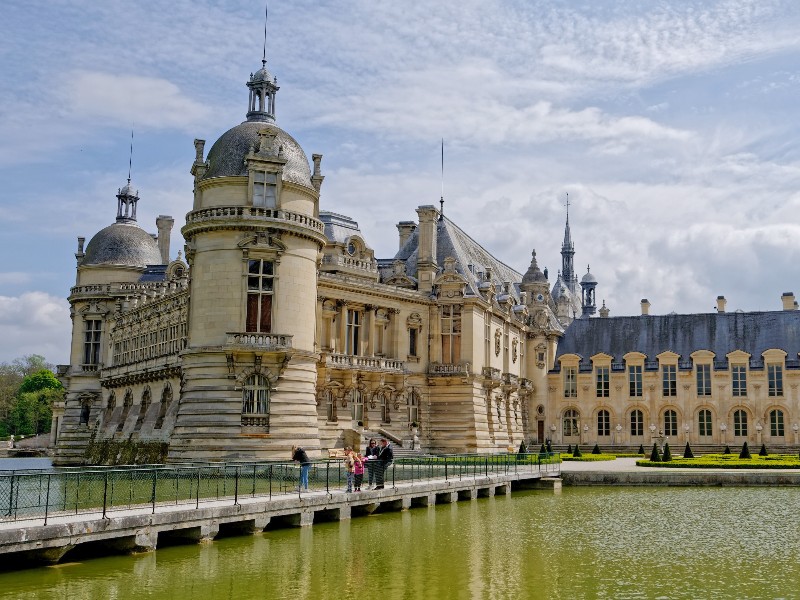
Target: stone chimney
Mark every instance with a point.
(317, 177)
(405, 228)
(164, 224)
(721, 302)
(426, 261)
(788, 301)
(645, 306)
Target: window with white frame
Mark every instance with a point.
(669, 380)
(358, 405)
(451, 334)
(571, 423)
(91, 341)
(255, 395)
(635, 380)
(775, 380)
(603, 423)
(602, 381)
(265, 186)
(260, 287)
(413, 407)
(738, 380)
(703, 380)
(776, 423)
(330, 406)
(637, 422)
(704, 423)
(570, 382)
(355, 318)
(670, 422)
(740, 423)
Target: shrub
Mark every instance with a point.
(745, 453)
(577, 452)
(667, 454)
(641, 449)
(596, 449)
(569, 449)
(763, 451)
(687, 452)
(727, 449)
(654, 455)
(549, 447)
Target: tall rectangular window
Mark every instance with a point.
(354, 320)
(637, 422)
(740, 423)
(264, 189)
(739, 380)
(570, 382)
(670, 423)
(635, 380)
(669, 380)
(412, 342)
(601, 376)
(775, 377)
(603, 423)
(451, 334)
(260, 281)
(703, 380)
(704, 423)
(91, 342)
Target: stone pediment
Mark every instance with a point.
(450, 282)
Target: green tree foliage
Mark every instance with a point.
(569, 448)
(727, 449)
(596, 449)
(641, 449)
(687, 452)
(745, 453)
(28, 389)
(667, 454)
(763, 451)
(654, 455)
(577, 452)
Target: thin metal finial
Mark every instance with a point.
(264, 53)
(441, 199)
(130, 157)
(567, 207)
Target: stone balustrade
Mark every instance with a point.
(252, 212)
(279, 342)
(448, 370)
(373, 363)
(350, 262)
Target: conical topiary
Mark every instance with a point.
(667, 454)
(727, 449)
(596, 449)
(577, 452)
(641, 449)
(687, 452)
(654, 455)
(763, 451)
(745, 453)
(569, 449)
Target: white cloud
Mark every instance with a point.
(129, 99)
(35, 323)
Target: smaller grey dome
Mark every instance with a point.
(588, 278)
(124, 244)
(261, 75)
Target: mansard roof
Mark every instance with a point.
(721, 333)
(451, 240)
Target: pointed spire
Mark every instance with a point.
(263, 87)
(567, 253)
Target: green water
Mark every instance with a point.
(583, 543)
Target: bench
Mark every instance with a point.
(336, 453)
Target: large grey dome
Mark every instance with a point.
(122, 244)
(226, 157)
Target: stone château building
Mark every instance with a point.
(281, 327)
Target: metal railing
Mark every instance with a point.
(35, 494)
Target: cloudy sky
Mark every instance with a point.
(673, 126)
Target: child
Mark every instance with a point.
(358, 470)
(349, 465)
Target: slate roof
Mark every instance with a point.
(721, 333)
(451, 240)
(123, 243)
(154, 273)
(338, 228)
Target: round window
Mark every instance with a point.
(351, 248)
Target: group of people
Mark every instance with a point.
(375, 461)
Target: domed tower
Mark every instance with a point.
(114, 261)
(252, 241)
(589, 303)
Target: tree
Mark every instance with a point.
(687, 452)
(654, 455)
(745, 453)
(31, 411)
(11, 376)
(577, 452)
(640, 450)
(763, 451)
(596, 449)
(667, 454)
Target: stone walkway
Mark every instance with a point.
(628, 465)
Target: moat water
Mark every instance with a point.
(605, 542)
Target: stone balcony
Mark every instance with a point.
(350, 264)
(252, 217)
(363, 363)
(448, 370)
(267, 342)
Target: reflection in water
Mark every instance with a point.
(583, 543)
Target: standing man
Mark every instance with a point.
(385, 458)
(299, 455)
(371, 455)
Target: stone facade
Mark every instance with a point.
(281, 327)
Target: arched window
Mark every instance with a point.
(571, 421)
(637, 422)
(704, 423)
(384, 397)
(670, 422)
(126, 406)
(330, 403)
(603, 423)
(85, 410)
(144, 404)
(255, 395)
(776, 423)
(740, 423)
(166, 398)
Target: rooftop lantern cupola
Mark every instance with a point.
(126, 204)
(263, 87)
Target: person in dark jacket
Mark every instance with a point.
(385, 458)
(371, 455)
(299, 455)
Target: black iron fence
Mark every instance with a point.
(44, 494)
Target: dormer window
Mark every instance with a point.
(265, 189)
(351, 248)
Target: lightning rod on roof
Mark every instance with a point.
(130, 157)
(441, 199)
(264, 53)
